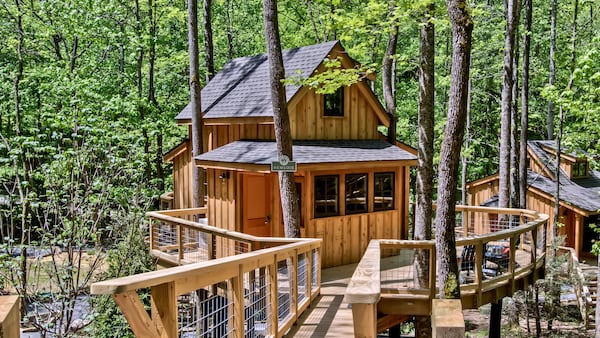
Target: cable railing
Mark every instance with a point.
(503, 251)
(225, 284)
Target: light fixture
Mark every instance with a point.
(224, 175)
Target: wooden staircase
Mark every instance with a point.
(592, 284)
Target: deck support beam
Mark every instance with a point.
(495, 319)
(364, 317)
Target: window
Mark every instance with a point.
(356, 193)
(334, 103)
(579, 169)
(384, 191)
(326, 196)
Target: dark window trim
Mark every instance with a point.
(366, 193)
(338, 107)
(318, 214)
(375, 192)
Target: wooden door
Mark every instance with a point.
(256, 209)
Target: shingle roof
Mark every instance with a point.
(583, 193)
(242, 89)
(308, 152)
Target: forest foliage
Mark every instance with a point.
(89, 91)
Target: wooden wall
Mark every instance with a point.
(183, 195)
(216, 136)
(359, 121)
(345, 237)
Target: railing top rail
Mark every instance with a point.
(204, 273)
(365, 285)
(170, 217)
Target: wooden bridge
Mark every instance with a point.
(224, 283)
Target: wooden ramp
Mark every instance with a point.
(328, 316)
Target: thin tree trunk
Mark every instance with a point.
(283, 135)
(208, 40)
(505, 125)
(152, 53)
(424, 184)
(514, 121)
(525, 106)
(462, 28)
(313, 22)
(465, 158)
(388, 77)
(552, 74)
(228, 14)
(195, 103)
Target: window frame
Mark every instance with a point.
(320, 214)
(338, 105)
(365, 193)
(392, 205)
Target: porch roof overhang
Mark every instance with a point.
(257, 156)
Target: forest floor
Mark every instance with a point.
(477, 324)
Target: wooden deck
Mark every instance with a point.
(328, 315)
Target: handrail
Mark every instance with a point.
(482, 290)
(582, 291)
(265, 289)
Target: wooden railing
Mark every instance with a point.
(10, 317)
(493, 265)
(582, 292)
(259, 292)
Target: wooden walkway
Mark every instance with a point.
(328, 316)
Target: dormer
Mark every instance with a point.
(573, 164)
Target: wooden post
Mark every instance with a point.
(238, 304)
(153, 223)
(479, 271)
(273, 309)
(10, 316)
(364, 317)
(164, 309)
(578, 234)
(512, 259)
(447, 319)
(179, 242)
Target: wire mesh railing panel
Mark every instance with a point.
(284, 290)
(257, 314)
(302, 278)
(195, 245)
(164, 236)
(466, 258)
(204, 314)
(315, 270)
(398, 271)
(496, 258)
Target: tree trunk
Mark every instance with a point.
(152, 53)
(388, 77)
(208, 40)
(505, 125)
(283, 135)
(424, 184)
(525, 107)
(514, 122)
(552, 73)
(228, 13)
(195, 103)
(462, 28)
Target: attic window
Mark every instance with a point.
(579, 169)
(334, 103)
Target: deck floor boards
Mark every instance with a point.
(328, 315)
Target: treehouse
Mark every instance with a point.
(353, 185)
(579, 192)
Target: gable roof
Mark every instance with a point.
(306, 153)
(583, 193)
(242, 87)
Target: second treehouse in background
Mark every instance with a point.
(353, 185)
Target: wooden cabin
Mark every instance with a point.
(353, 185)
(579, 192)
